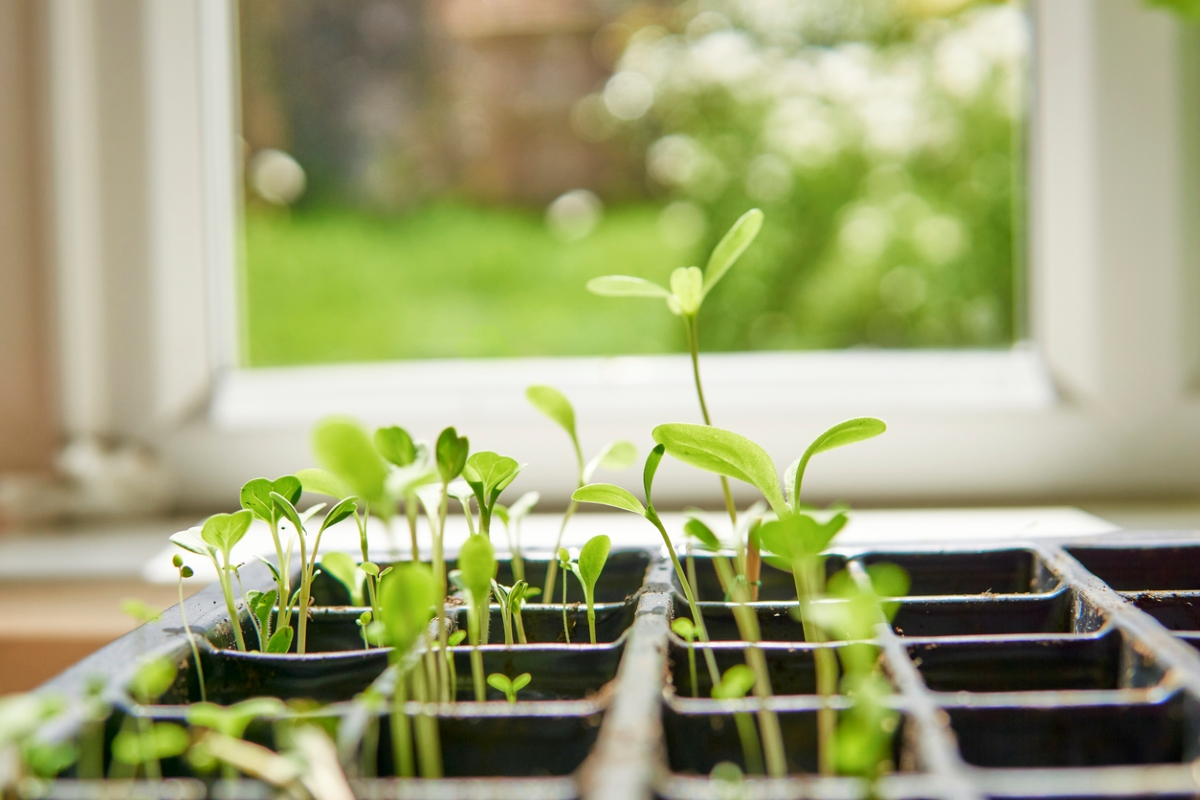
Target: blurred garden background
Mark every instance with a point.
(440, 178)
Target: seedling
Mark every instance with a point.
(450, 455)
(142, 743)
(308, 564)
(343, 569)
(256, 498)
(477, 564)
(685, 630)
(411, 471)
(729, 454)
(617, 455)
(737, 681)
(689, 287)
(488, 474)
(511, 517)
(408, 595)
(568, 565)
(186, 572)
(233, 720)
(215, 540)
(592, 559)
(501, 683)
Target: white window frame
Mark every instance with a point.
(1100, 402)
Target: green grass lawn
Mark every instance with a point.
(447, 281)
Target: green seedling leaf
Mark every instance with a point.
(340, 512)
(477, 566)
(288, 511)
(233, 720)
(370, 569)
(725, 453)
(615, 456)
(731, 247)
(48, 759)
(626, 286)
(456, 638)
(139, 610)
(271, 566)
(653, 459)
(406, 598)
(840, 435)
(343, 447)
(737, 681)
(606, 494)
(281, 640)
(164, 740)
(521, 681)
(193, 542)
(555, 405)
(687, 291)
(152, 677)
(256, 496)
(21, 714)
(343, 569)
(703, 534)
(320, 481)
(726, 772)
(395, 445)
(794, 537)
(488, 474)
(261, 605)
(224, 531)
(311, 512)
(452, 451)
(684, 629)
(592, 559)
(500, 682)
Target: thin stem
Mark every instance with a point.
(429, 746)
(751, 747)
(591, 612)
(520, 625)
(809, 578)
(473, 628)
(302, 605)
(691, 648)
(449, 690)
(192, 642)
(410, 511)
(552, 569)
(402, 753)
(691, 568)
(697, 620)
(566, 627)
(227, 588)
(285, 572)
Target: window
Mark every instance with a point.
(1095, 399)
(441, 179)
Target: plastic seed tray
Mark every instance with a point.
(1026, 670)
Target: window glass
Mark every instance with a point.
(440, 178)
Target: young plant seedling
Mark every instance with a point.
(450, 457)
(477, 565)
(501, 683)
(408, 595)
(729, 454)
(511, 517)
(684, 629)
(568, 565)
(488, 474)
(504, 597)
(689, 287)
(233, 720)
(186, 572)
(737, 681)
(215, 540)
(308, 562)
(592, 559)
(619, 455)
(343, 569)
(410, 470)
(142, 743)
(256, 498)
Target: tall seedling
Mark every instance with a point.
(410, 471)
(256, 498)
(689, 287)
(215, 539)
(617, 455)
(450, 455)
(592, 559)
(477, 563)
(729, 454)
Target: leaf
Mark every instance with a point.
(343, 569)
(701, 532)
(152, 677)
(653, 459)
(452, 451)
(731, 247)
(555, 405)
(164, 740)
(521, 681)
(395, 445)
(735, 683)
(406, 599)
(687, 290)
(261, 605)
(799, 536)
(684, 628)
(725, 453)
(844, 433)
(477, 563)
(223, 531)
(606, 494)
(625, 286)
(281, 640)
(888, 580)
(488, 474)
(192, 541)
(499, 682)
(256, 495)
(615, 456)
(340, 512)
(274, 569)
(343, 447)
(288, 511)
(456, 638)
(320, 481)
(592, 559)
(311, 512)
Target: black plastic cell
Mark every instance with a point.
(558, 672)
(792, 669)
(986, 572)
(1021, 665)
(775, 584)
(544, 625)
(1130, 569)
(1177, 611)
(1070, 735)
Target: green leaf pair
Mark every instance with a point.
(501, 683)
(796, 537)
(689, 286)
(256, 496)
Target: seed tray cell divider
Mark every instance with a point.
(1019, 673)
